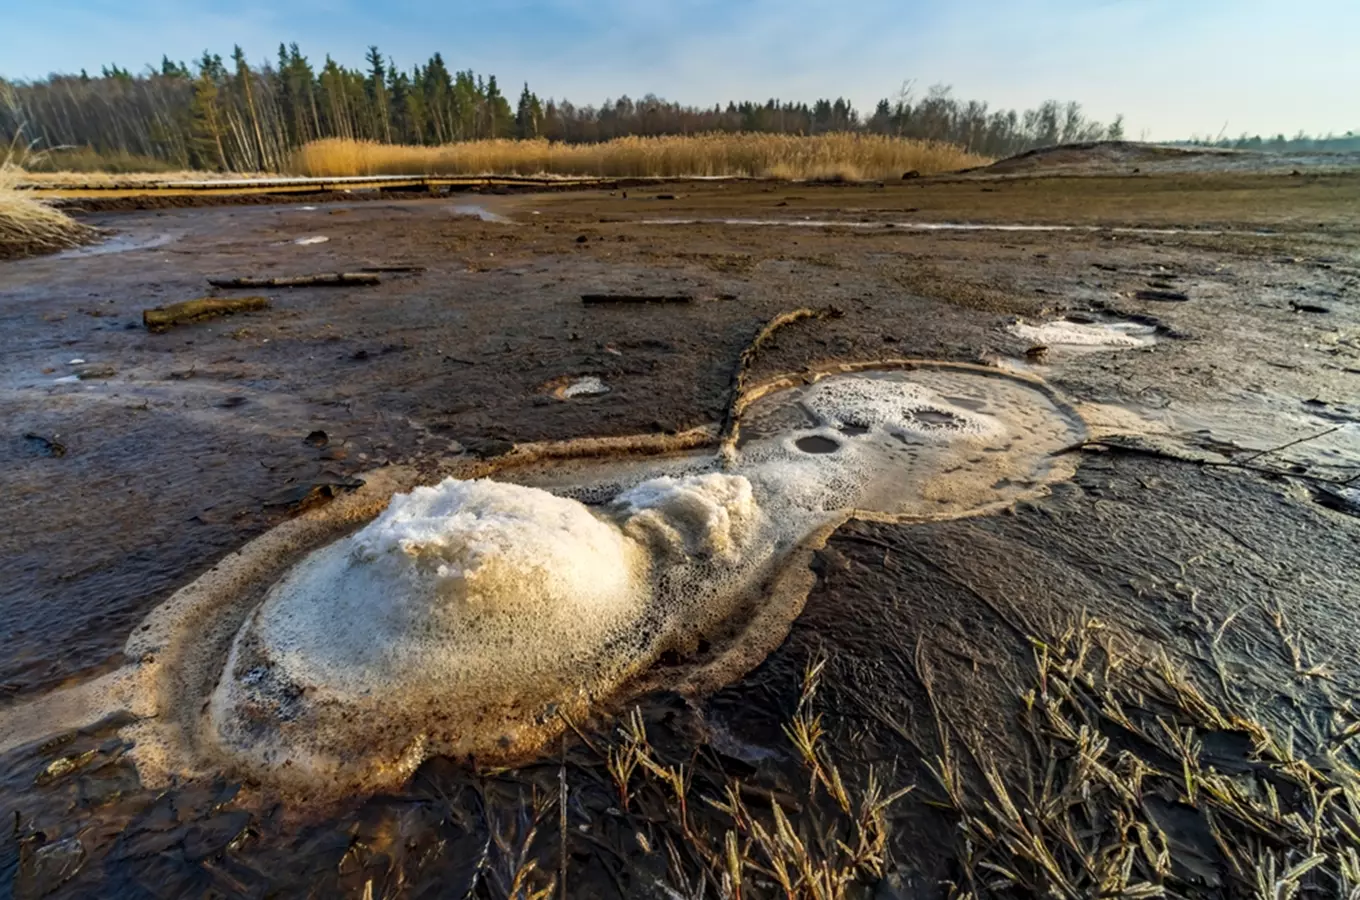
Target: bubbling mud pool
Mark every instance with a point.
(476, 618)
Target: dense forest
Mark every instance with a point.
(231, 115)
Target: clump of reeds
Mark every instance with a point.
(1124, 800)
(28, 225)
(845, 157)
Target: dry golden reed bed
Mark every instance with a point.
(842, 156)
(28, 225)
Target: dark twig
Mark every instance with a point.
(330, 279)
(737, 388)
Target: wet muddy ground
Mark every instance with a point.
(133, 461)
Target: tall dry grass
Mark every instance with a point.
(28, 225)
(840, 156)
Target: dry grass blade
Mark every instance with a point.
(28, 225)
(1085, 823)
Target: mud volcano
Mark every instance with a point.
(477, 617)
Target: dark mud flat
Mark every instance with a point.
(179, 447)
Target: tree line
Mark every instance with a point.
(229, 115)
(1299, 143)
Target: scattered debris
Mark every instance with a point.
(488, 448)
(162, 318)
(95, 373)
(45, 867)
(1338, 498)
(302, 497)
(329, 279)
(46, 446)
(1162, 295)
(589, 386)
(600, 299)
(413, 270)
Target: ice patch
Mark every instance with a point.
(585, 387)
(1086, 334)
(316, 239)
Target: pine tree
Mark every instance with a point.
(205, 144)
(376, 86)
(528, 115)
(499, 118)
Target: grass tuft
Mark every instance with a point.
(28, 225)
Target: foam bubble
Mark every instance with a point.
(869, 402)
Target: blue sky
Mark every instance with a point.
(1172, 67)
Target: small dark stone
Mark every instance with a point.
(317, 438)
(581, 239)
(45, 446)
(490, 447)
(910, 174)
(1161, 295)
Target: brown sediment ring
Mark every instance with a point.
(173, 669)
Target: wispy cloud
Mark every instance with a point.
(1172, 66)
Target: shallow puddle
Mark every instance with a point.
(119, 243)
(935, 226)
(480, 212)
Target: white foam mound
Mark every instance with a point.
(1083, 334)
(417, 592)
(700, 517)
(464, 598)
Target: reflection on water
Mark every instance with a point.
(933, 226)
(119, 243)
(481, 212)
